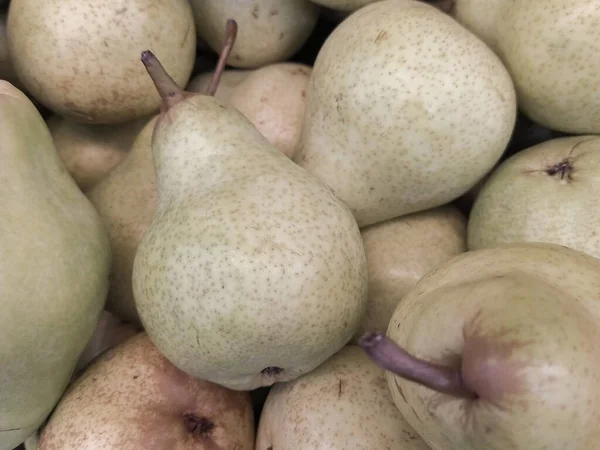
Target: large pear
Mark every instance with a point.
(406, 110)
(53, 272)
(546, 193)
(550, 49)
(252, 270)
(498, 349)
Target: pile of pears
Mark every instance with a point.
(299, 224)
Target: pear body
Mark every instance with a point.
(53, 272)
(269, 30)
(388, 125)
(343, 5)
(81, 59)
(252, 271)
(273, 98)
(522, 322)
(132, 397)
(90, 152)
(546, 193)
(550, 50)
(126, 201)
(344, 404)
(401, 251)
(230, 78)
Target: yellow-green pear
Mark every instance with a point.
(399, 120)
(545, 193)
(54, 270)
(132, 398)
(90, 152)
(270, 30)
(550, 50)
(498, 349)
(401, 251)
(80, 58)
(273, 98)
(252, 271)
(344, 404)
(126, 201)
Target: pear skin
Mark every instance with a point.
(344, 404)
(546, 193)
(131, 397)
(498, 349)
(54, 267)
(252, 271)
(230, 79)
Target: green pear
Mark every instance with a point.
(132, 398)
(343, 5)
(546, 193)
(90, 152)
(498, 349)
(54, 270)
(270, 30)
(126, 201)
(273, 98)
(399, 122)
(79, 58)
(550, 50)
(401, 251)
(252, 271)
(344, 404)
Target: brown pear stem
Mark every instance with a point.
(389, 356)
(168, 90)
(230, 35)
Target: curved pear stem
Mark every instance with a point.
(168, 90)
(389, 356)
(230, 35)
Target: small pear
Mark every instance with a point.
(54, 270)
(387, 123)
(126, 201)
(78, 57)
(132, 398)
(270, 30)
(546, 193)
(498, 349)
(344, 404)
(401, 251)
(90, 152)
(252, 271)
(273, 98)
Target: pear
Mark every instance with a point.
(546, 193)
(344, 404)
(498, 349)
(126, 200)
(230, 79)
(550, 50)
(79, 58)
(90, 152)
(133, 398)
(270, 30)
(401, 251)
(343, 5)
(7, 71)
(388, 125)
(54, 270)
(252, 271)
(273, 98)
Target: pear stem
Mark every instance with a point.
(391, 357)
(168, 90)
(230, 36)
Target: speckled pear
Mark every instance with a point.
(252, 271)
(406, 110)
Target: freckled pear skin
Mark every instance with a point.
(406, 110)
(252, 271)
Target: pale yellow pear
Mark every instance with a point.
(545, 193)
(54, 270)
(126, 201)
(398, 121)
(344, 404)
